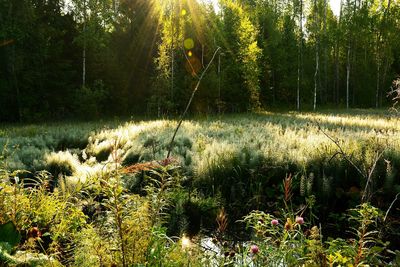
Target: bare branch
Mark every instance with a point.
(341, 152)
(390, 207)
(190, 101)
(370, 172)
(367, 175)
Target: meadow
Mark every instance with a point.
(111, 194)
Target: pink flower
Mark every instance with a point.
(274, 222)
(254, 249)
(299, 220)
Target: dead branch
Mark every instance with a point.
(367, 174)
(190, 99)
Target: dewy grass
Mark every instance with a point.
(204, 145)
(233, 161)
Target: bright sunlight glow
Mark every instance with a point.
(214, 3)
(335, 5)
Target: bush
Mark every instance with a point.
(89, 101)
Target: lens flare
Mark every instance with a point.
(185, 242)
(188, 43)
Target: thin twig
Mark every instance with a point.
(341, 152)
(370, 172)
(366, 175)
(390, 207)
(190, 101)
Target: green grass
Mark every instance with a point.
(222, 153)
(233, 161)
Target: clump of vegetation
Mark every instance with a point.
(132, 206)
(395, 93)
(63, 163)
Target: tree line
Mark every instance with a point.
(91, 58)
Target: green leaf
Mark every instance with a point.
(9, 234)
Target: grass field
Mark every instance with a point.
(279, 139)
(233, 161)
(245, 154)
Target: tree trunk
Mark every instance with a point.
(172, 53)
(349, 46)
(172, 72)
(379, 57)
(84, 46)
(353, 59)
(338, 55)
(16, 86)
(348, 75)
(300, 55)
(316, 58)
(337, 74)
(316, 77)
(14, 79)
(378, 70)
(385, 70)
(273, 88)
(325, 97)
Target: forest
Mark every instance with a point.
(92, 58)
(199, 133)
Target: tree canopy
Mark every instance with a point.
(62, 59)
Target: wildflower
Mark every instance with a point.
(288, 224)
(274, 222)
(35, 233)
(254, 249)
(299, 220)
(167, 161)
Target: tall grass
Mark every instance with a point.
(241, 157)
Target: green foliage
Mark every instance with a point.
(291, 244)
(9, 236)
(115, 212)
(38, 214)
(89, 101)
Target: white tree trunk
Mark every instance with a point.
(378, 71)
(325, 96)
(300, 55)
(316, 77)
(316, 57)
